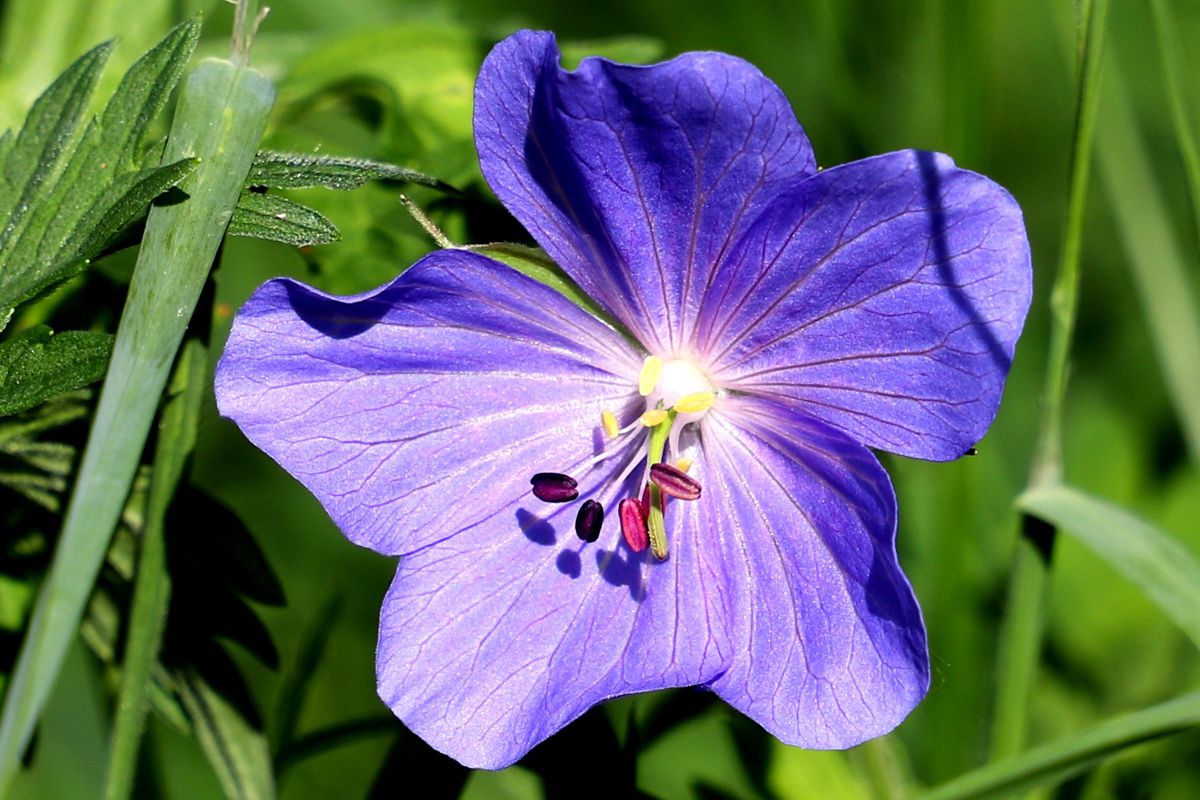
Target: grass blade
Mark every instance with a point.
(1155, 561)
(1156, 261)
(221, 117)
(148, 611)
(1173, 67)
(1054, 762)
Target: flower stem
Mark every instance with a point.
(1022, 628)
(221, 116)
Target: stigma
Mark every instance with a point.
(676, 393)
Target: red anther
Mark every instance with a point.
(554, 487)
(675, 482)
(633, 524)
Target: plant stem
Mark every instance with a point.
(1022, 628)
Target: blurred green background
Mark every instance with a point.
(990, 82)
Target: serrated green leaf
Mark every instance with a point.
(80, 192)
(299, 171)
(267, 216)
(235, 748)
(143, 93)
(1153, 560)
(36, 154)
(39, 364)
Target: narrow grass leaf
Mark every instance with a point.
(268, 216)
(1052, 763)
(37, 364)
(1156, 260)
(299, 171)
(1165, 26)
(220, 119)
(299, 676)
(1166, 571)
(235, 748)
(148, 610)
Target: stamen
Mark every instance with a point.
(648, 378)
(589, 520)
(695, 402)
(655, 416)
(675, 482)
(633, 524)
(609, 422)
(554, 487)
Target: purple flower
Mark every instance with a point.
(778, 322)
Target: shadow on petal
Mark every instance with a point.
(620, 570)
(934, 195)
(536, 529)
(568, 564)
(337, 319)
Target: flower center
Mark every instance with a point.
(677, 393)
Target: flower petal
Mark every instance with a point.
(635, 179)
(829, 640)
(491, 642)
(884, 297)
(415, 411)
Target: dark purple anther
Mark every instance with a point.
(588, 520)
(675, 482)
(554, 487)
(633, 524)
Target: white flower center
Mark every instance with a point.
(681, 379)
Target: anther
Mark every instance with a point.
(554, 487)
(633, 524)
(675, 482)
(695, 402)
(648, 377)
(608, 421)
(589, 520)
(655, 416)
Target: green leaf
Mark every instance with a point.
(1155, 561)
(268, 216)
(36, 154)
(300, 171)
(38, 364)
(1052, 763)
(236, 748)
(65, 197)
